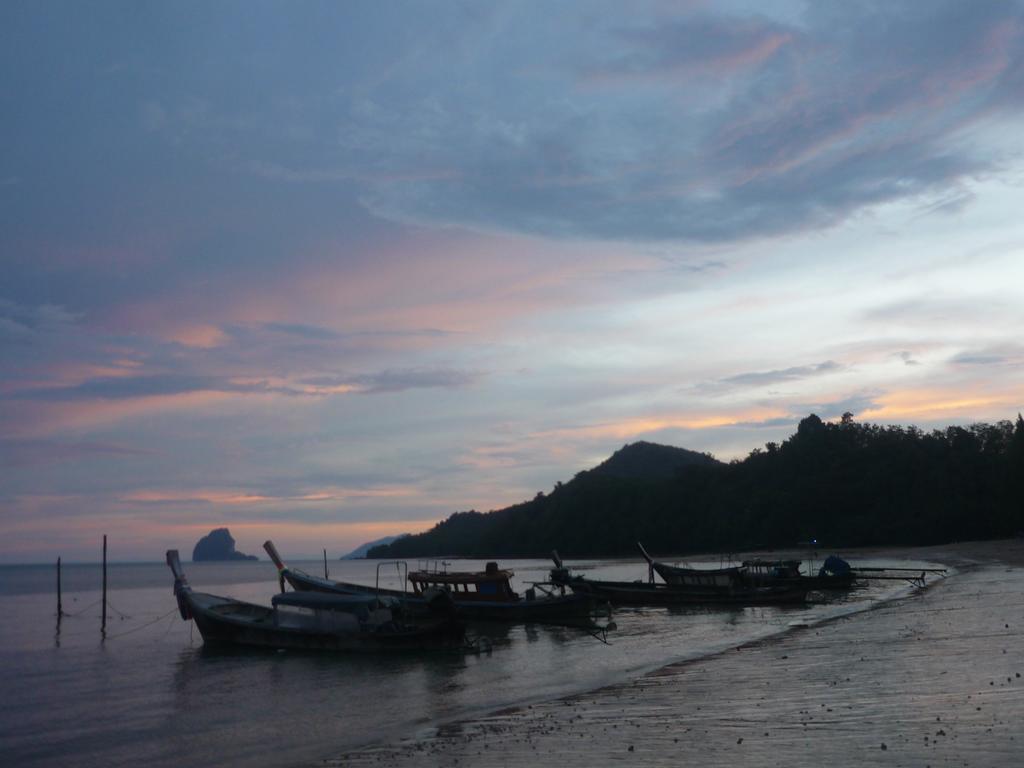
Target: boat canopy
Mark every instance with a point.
(491, 584)
(329, 601)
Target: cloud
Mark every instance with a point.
(320, 333)
(754, 379)
(763, 378)
(1006, 354)
(28, 453)
(20, 322)
(302, 331)
(936, 310)
(699, 46)
(156, 385)
(163, 385)
(978, 358)
(771, 149)
(400, 380)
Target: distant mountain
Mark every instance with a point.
(359, 553)
(218, 545)
(651, 460)
(574, 513)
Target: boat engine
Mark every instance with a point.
(439, 601)
(559, 574)
(834, 566)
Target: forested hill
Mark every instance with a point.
(650, 460)
(844, 484)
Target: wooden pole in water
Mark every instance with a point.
(325, 564)
(60, 607)
(103, 626)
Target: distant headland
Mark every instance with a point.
(359, 553)
(218, 544)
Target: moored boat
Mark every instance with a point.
(725, 586)
(311, 621)
(486, 595)
(835, 573)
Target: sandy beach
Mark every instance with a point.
(934, 679)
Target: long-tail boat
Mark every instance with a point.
(835, 573)
(311, 621)
(482, 595)
(721, 586)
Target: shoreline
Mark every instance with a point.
(859, 689)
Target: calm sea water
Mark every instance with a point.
(150, 692)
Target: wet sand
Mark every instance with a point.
(934, 679)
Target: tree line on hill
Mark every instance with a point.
(842, 484)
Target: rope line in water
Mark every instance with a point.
(80, 611)
(170, 626)
(122, 614)
(142, 626)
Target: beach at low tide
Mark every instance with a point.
(931, 679)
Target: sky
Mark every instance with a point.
(323, 272)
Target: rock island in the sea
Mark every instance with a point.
(218, 544)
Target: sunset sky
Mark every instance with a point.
(325, 272)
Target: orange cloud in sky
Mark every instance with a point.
(237, 498)
(947, 404)
(69, 374)
(50, 418)
(636, 428)
(201, 336)
(456, 283)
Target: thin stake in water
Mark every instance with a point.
(103, 626)
(60, 606)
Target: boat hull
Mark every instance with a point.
(222, 621)
(543, 610)
(640, 593)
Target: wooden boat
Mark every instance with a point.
(835, 573)
(486, 595)
(301, 581)
(724, 586)
(310, 621)
(645, 593)
(730, 577)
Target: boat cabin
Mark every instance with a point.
(709, 578)
(491, 585)
(772, 570)
(326, 612)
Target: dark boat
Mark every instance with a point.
(645, 593)
(723, 586)
(835, 573)
(729, 577)
(311, 621)
(301, 581)
(486, 595)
